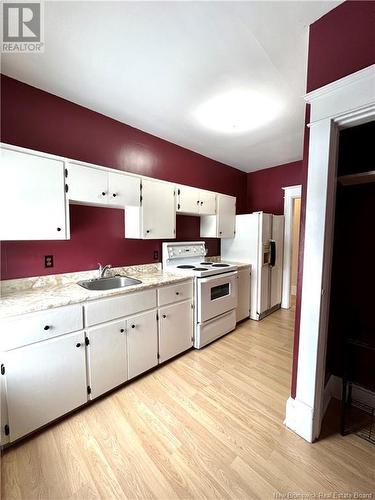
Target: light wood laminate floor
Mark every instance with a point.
(206, 425)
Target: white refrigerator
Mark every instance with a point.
(259, 240)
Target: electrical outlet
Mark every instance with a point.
(48, 261)
(156, 255)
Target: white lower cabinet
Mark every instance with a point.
(243, 294)
(142, 343)
(106, 355)
(175, 329)
(47, 370)
(44, 381)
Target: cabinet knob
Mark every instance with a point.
(114, 195)
(164, 315)
(201, 202)
(220, 232)
(177, 293)
(47, 327)
(147, 231)
(133, 326)
(122, 330)
(78, 344)
(103, 193)
(59, 228)
(197, 202)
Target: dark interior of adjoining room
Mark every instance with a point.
(351, 336)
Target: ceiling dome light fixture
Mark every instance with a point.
(237, 111)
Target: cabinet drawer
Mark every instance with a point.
(34, 327)
(118, 307)
(175, 293)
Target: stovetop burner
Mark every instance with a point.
(220, 265)
(206, 263)
(200, 269)
(185, 267)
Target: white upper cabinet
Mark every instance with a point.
(94, 186)
(187, 200)
(156, 217)
(123, 190)
(226, 215)
(32, 201)
(221, 225)
(87, 185)
(207, 202)
(193, 201)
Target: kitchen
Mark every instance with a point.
(142, 280)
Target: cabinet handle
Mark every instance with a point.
(133, 326)
(114, 195)
(177, 293)
(47, 327)
(164, 315)
(122, 330)
(79, 344)
(59, 228)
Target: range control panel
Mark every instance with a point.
(184, 250)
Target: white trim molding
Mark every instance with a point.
(290, 194)
(345, 103)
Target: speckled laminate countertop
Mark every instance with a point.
(40, 293)
(26, 295)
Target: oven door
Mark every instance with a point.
(216, 295)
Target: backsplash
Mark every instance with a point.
(96, 236)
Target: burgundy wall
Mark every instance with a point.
(340, 43)
(264, 187)
(38, 120)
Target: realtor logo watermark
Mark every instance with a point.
(23, 27)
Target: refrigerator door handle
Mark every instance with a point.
(273, 253)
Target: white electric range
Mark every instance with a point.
(215, 288)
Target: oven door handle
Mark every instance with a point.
(216, 276)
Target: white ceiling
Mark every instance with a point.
(151, 64)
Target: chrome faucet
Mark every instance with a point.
(103, 270)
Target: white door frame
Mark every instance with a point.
(345, 103)
(290, 194)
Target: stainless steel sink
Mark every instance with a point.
(109, 283)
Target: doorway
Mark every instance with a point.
(295, 249)
(292, 214)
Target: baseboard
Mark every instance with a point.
(334, 390)
(299, 418)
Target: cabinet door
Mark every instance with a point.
(87, 185)
(32, 202)
(158, 210)
(207, 203)
(44, 381)
(226, 216)
(142, 343)
(106, 357)
(188, 200)
(175, 329)
(123, 190)
(243, 295)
